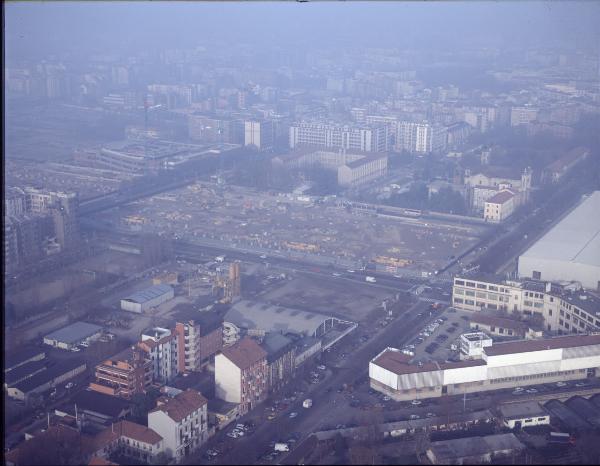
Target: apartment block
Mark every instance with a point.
(125, 374)
(182, 422)
(161, 346)
(241, 374)
(362, 138)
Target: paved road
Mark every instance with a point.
(325, 396)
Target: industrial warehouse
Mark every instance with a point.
(503, 365)
(260, 318)
(72, 335)
(143, 300)
(570, 250)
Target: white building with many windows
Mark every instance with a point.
(161, 346)
(181, 421)
(564, 308)
(502, 366)
(362, 138)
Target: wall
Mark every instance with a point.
(227, 380)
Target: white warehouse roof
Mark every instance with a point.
(149, 293)
(571, 249)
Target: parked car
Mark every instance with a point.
(69, 385)
(321, 367)
(414, 416)
(415, 402)
(293, 415)
(561, 384)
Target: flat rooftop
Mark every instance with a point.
(75, 332)
(526, 409)
(149, 293)
(397, 362)
(526, 346)
(575, 239)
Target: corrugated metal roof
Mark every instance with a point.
(74, 333)
(575, 239)
(149, 293)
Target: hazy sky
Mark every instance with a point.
(50, 27)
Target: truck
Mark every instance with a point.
(370, 279)
(281, 447)
(220, 258)
(307, 403)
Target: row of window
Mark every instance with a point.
(481, 286)
(532, 377)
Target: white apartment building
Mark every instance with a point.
(522, 115)
(564, 309)
(472, 345)
(503, 365)
(500, 206)
(161, 346)
(420, 137)
(361, 138)
(260, 134)
(182, 422)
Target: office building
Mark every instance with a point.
(563, 308)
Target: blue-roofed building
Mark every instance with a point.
(73, 335)
(145, 299)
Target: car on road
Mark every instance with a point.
(414, 416)
(415, 402)
(270, 417)
(75, 349)
(336, 274)
(561, 384)
(293, 415)
(350, 271)
(580, 384)
(69, 385)
(430, 415)
(531, 390)
(321, 367)
(386, 398)
(263, 256)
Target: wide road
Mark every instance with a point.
(247, 450)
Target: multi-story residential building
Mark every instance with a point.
(241, 374)
(161, 346)
(564, 309)
(200, 336)
(281, 360)
(500, 206)
(182, 422)
(522, 115)
(420, 137)
(259, 134)
(129, 439)
(125, 374)
(336, 136)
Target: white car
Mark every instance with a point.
(262, 256)
(415, 402)
(561, 384)
(415, 416)
(293, 415)
(531, 390)
(321, 367)
(69, 385)
(75, 349)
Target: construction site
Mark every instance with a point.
(321, 229)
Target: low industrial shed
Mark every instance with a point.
(526, 414)
(474, 450)
(150, 297)
(47, 379)
(73, 335)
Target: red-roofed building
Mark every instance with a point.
(182, 421)
(128, 439)
(500, 206)
(241, 374)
